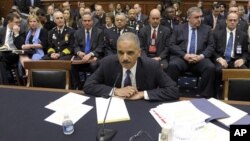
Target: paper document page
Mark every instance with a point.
(117, 110)
(178, 112)
(78, 111)
(234, 113)
(66, 102)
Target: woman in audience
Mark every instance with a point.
(69, 19)
(109, 21)
(36, 39)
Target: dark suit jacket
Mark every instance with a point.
(110, 38)
(209, 20)
(37, 3)
(18, 41)
(96, 41)
(179, 41)
(167, 22)
(220, 40)
(144, 19)
(162, 40)
(149, 76)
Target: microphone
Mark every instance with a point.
(107, 134)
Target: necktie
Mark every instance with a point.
(192, 42)
(153, 37)
(229, 47)
(10, 41)
(127, 81)
(87, 47)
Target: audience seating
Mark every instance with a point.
(236, 84)
(48, 73)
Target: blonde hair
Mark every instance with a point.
(32, 16)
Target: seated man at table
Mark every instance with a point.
(141, 77)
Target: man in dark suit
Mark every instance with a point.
(33, 3)
(212, 18)
(100, 15)
(191, 46)
(60, 40)
(111, 35)
(132, 23)
(88, 47)
(13, 38)
(231, 48)
(139, 16)
(21, 4)
(154, 39)
(242, 24)
(141, 78)
(168, 19)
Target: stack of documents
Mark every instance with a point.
(179, 112)
(70, 104)
(116, 112)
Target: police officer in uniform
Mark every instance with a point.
(60, 41)
(111, 35)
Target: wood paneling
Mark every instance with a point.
(5, 5)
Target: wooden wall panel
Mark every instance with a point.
(5, 5)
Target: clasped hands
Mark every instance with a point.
(237, 63)
(192, 58)
(129, 92)
(86, 58)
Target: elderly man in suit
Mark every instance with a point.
(88, 47)
(111, 35)
(230, 48)
(133, 77)
(154, 39)
(191, 46)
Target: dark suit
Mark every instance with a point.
(135, 25)
(7, 58)
(149, 77)
(37, 3)
(205, 46)
(96, 47)
(167, 22)
(220, 40)
(209, 20)
(110, 37)
(143, 19)
(21, 5)
(162, 43)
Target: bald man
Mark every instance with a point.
(154, 39)
(226, 56)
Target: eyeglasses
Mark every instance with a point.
(140, 133)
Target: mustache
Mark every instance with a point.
(125, 62)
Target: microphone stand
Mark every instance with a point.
(107, 134)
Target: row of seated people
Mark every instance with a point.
(189, 46)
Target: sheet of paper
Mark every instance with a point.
(178, 112)
(234, 113)
(66, 102)
(117, 110)
(78, 111)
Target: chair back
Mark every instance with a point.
(236, 84)
(48, 73)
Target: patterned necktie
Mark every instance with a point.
(87, 47)
(229, 47)
(192, 42)
(127, 81)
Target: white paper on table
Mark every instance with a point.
(117, 110)
(78, 111)
(66, 102)
(209, 132)
(234, 113)
(178, 112)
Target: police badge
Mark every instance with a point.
(66, 37)
(54, 36)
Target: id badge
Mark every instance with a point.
(238, 49)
